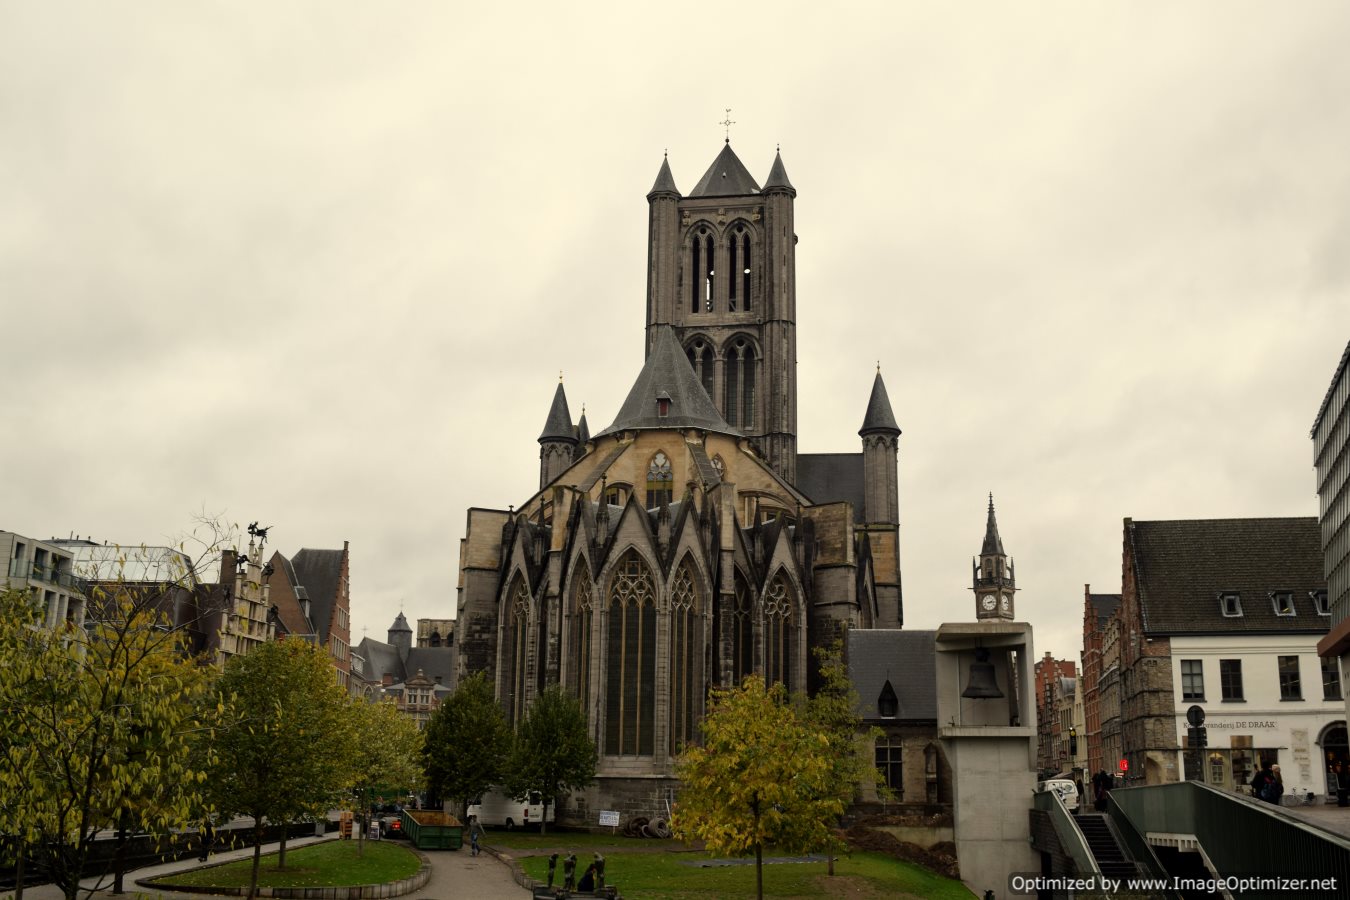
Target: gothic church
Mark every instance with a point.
(689, 543)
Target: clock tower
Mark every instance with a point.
(994, 583)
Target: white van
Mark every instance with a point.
(1067, 790)
(496, 808)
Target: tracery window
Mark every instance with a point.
(701, 358)
(738, 282)
(515, 642)
(779, 632)
(579, 648)
(660, 480)
(720, 466)
(743, 630)
(686, 656)
(701, 268)
(630, 690)
(740, 384)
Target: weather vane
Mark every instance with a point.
(728, 122)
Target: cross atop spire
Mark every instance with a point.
(727, 123)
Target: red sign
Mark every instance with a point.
(1124, 765)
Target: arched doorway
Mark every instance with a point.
(1335, 749)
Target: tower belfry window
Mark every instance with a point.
(739, 408)
(744, 270)
(708, 280)
(733, 248)
(701, 359)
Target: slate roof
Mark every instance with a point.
(401, 624)
(993, 544)
(667, 370)
(319, 571)
(665, 182)
(434, 662)
(778, 176)
(1181, 568)
(382, 658)
(905, 658)
(879, 416)
(559, 424)
(831, 477)
(1105, 606)
(726, 177)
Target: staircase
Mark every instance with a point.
(1105, 848)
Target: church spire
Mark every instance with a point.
(879, 417)
(665, 182)
(994, 581)
(993, 546)
(778, 179)
(558, 427)
(558, 440)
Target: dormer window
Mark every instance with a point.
(662, 405)
(888, 705)
(1230, 603)
(1283, 602)
(1319, 599)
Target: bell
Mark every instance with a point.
(982, 685)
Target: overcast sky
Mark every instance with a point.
(319, 265)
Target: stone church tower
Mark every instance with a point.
(721, 270)
(688, 544)
(993, 578)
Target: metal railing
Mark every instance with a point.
(1066, 829)
(1241, 836)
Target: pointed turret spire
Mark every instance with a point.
(993, 545)
(879, 416)
(583, 429)
(559, 424)
(665, 182)
(726, 177)
(667, 393)
(778, 179)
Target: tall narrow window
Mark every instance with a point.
(1192, 679)
(889, 765)
(1290, 686)
(779, 632)
(739, 408)
(660, 481)
(743, 630)
(708, 282)
(686, 656)
(579, 650)
(696, 273)
(745, 271)
(515, 644)
(1230, 678)
(630, 691)
(1331, 678)
(701, 358)
(733, 253)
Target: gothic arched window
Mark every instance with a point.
(780, 643)
(515, 641)
(743, 630)
(709, 283)
(660, 480)
(686, 656)
(701, 358)
(701, 271)
(579, 640)
(738, 279)
(630, 688)
(740, 384)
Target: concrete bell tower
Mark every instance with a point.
(993, 576)
(721, 270)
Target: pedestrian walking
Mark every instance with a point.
(208, 839)
(1260, 780)
(1273, 789)
(475, 832)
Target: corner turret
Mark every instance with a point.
(558, 440)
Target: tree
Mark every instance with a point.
(99, 722)
(282, 740)
(386, 755)
(467, 743)
(553, 753)
(762, 777)
(833, 712)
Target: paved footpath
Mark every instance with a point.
(454, 874)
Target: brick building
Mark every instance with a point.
(1048, 672)
(311, 596)
(1097, 610)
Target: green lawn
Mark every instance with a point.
(668, 876)
(330, 864)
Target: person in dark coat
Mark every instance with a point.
(1342, 785)
(587, 882)
(1260, 780)
(1274, 789)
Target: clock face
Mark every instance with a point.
(988, 601)
(1007, 602)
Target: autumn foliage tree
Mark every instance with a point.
(386, 754)
(553, 754)
(282, 739)
(99, 722)
(762, 777)
(468, 743)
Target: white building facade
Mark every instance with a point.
(45, 570)
(1266, 698)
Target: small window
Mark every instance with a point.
(1192, 679)
(1230, 678)
(1290, 687)
(888, 706)
(1331, 678)
(1284, 602)
(1319, 599)
(1231, 604)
